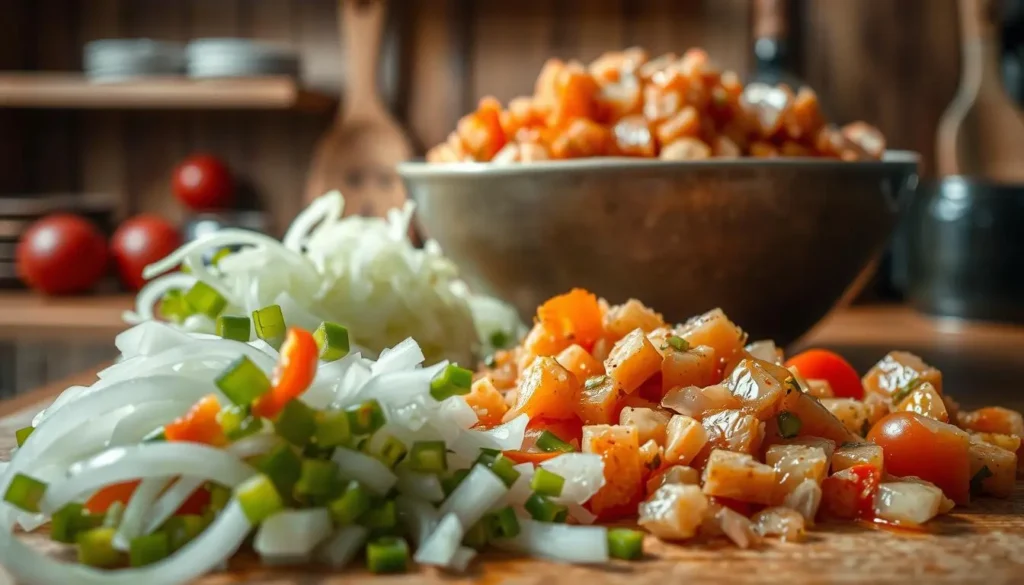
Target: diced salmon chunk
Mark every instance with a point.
(795, 463)
(620, 320)
(579, 361)
(700, 402)
(925, 400)
(815, 419)
(994, 467)
(546, 390)
(674, 512)
(696, 366)
(650, 424)
(897, 370)
(632, 361)
(716, 330)
(619, 448)
(487, 402)
(598, 401)
(734, 430)
(852, 413)
(850, 454)
(739, 477)
(993, 419)
(759, 391)
(675, 474)
(685, 440)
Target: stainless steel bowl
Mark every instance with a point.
(776, 243)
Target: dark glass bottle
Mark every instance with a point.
(773, 52)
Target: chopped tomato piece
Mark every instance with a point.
(294, 373)
(196, 503)
(915, 445)
(100, 501)
(535, 457)
(821, 364)
(199, 424)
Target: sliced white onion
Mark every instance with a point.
(581, 514)
(133, 522)
(253, 445)
(443, 543)
(475, 496)
(222, 238)
(70, 420)
(504, 437)
(583, 474)
(418, 516)
(292, 534)
(170, 501)
(152, 292)
(341, 548)
(218, 542)
(148, 460)
(294, 313)
(559, 542)
(144, 418)
(458, 412)
(425, 486)
(521, 490)
(325, 209)
(149, 338)
(404, 356)
(370, 472)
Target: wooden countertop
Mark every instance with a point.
(981, 544)
(26, 315)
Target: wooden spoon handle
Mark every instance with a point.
(360, 24)
(770, 19)
(979, 19)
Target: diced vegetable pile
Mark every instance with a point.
(364, 273)
(703, 433)
(163, 468)
(626, 103)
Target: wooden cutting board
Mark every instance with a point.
(983, 544)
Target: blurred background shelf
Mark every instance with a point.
(75, 91)
(25, 315)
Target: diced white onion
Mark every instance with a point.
(404, 356)
(475, 496)
(365, 469)
(418, 516)
(461, 559)
(559, 542)
(440, 548)
(292, 534)
(583, 474)
(425, 486)
(905, 502)
(340, 549)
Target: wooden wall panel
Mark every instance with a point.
(894, 64)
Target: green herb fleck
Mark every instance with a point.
(905, 390)
(678, 343)
(595, 381)
(979, 478)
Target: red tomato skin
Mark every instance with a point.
(138, 242)
(203, 182)
(912, 446)
(821, 364)
(61, 254)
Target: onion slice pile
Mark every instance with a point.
(91, 438)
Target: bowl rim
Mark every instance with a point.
(891, 160)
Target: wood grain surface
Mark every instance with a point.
(982, 544)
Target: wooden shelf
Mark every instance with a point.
(75, 91)
(29, 315)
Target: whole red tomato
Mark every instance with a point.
(138, 242)
(61, 254)
(203, 182)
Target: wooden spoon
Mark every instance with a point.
(358, 155)
(981, 133)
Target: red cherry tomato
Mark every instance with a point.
(61, 254)
(140, 241)
(821, 364)
(931, 450)
(203, 182)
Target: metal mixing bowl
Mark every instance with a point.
(776, 243)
